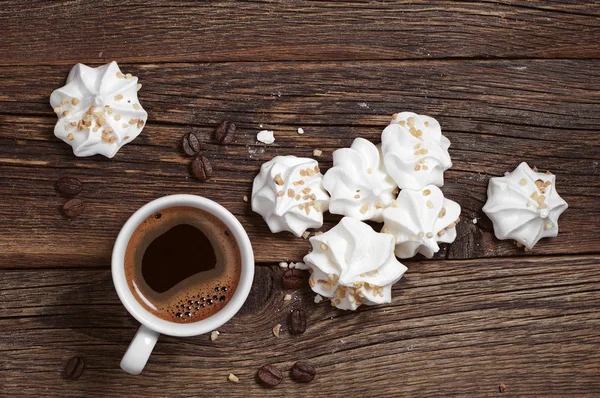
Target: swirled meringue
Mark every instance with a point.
(353, 265)
(358, 183)
(524, 205)
(415, 152)
(98, 110)
(419, 220)
(288, 193)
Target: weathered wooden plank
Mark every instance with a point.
(453, 328)
(161, 31)
(496, 113)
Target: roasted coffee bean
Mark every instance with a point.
(202, 168)
(297, 324)
(190, 144)
(269, 375)
(293, 279)
(73, 207)
(302, 372)
(225, 133)
(68, 186)
(74, 368)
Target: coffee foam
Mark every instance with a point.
(199, 296)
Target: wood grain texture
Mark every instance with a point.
(456, 328)
(165, 31)
(496, 114)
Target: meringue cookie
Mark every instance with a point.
(419, 220)
(358, 183)
(288, 193)
(353, 265)
(524, 206)
(415, 152)
(98, 110)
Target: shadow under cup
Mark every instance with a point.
(143, 313)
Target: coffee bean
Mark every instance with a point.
(202, 168)
(269, 375)
(302, 372)
(190, 144)
(73, 207)
(297, 324)
(68, 186)
(225, 133)
(74, 368)
(293, 279)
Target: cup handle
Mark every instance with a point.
(139, 350)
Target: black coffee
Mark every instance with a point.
(182, 264)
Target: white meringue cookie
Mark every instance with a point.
(524, 206)
(419, 220)
(353, 265)
(288, 193)
(358, 183)
(415, 152)
(98, 110)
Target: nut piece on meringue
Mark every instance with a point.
(353, 265)
(419, 220)
(415, 152)
(98, 110)
(288, 193)
(524, 206)
(358, 183)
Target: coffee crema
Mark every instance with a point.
(182, 264)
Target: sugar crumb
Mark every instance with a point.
(300, 130)
(287, 297)
(233, 378)
(266, 137)
(214, 335)
(283, 264)
(318, 298)
(317, 152)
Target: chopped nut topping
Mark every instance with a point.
(357, 196)
(278, 179)
(117, 117)
(119, 75)
(429, 235)
(233, 378)
(442, 232)
(318, 206)
(547, 225)
(128, 76)
(64, 101)
(317, 169)
(139, 86)
(75, 101)
(299, 182)
(245, 198)
(214, 335)
(523, 181)
(310, 172)
(394, 203)
(73, 123)
(290, 193)
(297, 197)
(369, 171)
(57, 109)
(136, 107)
(302, 173)
(276, 330)
(125, 125)
(287, 297)
(126, 137)
(442, 213)
(417, 167)
(430, 204)
(311, 282)
(421, 234)
(71, 137)
(306, 191)
(364, 208)
(426, 192)
(324, 246)
(67, 112)
(425, 167)
(317, 152)
(118, 97)
(385, 229)
(378, 205)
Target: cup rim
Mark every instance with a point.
(152, 321)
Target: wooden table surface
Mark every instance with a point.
(509, 81)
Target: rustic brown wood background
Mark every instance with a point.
(509, 81)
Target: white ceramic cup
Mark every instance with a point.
(141, 346)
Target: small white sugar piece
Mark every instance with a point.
(283, 265)
(266, 137)
(300, 130)
(245, 198)
(475, 221)
(214, 334)
(287, 297)
(318, 298)
(317, 152)
(300, 265)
